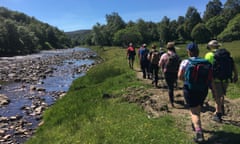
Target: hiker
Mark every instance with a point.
(154, 57)
(144, 62)
(169, 63)
(131, 55)
(195, 88)
(161, 52)
(223, 67)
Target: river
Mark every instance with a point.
(34, 82)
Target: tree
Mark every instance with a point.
(124, 36)
(114, 23)
(232, 31)
(3, 38)
(164, 30)
(12, 38)
(216, 25)
(97, 35)
(213, 8)
(200, 33)
(144, 30)
(27, 40)
(231, 9)
(192, 18)
(180, 20)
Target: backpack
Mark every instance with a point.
(198, 74)
(145, 54)
(172, 63)
(155, 57)
(222, 65)
(131, 51)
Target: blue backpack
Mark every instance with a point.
(144, 52)
(198, 74)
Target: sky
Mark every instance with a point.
(71, 15)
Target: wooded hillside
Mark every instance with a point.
(21, 34)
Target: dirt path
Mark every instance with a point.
(155, 102)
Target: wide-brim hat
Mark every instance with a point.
(214, 43)
(154, 46)
(170, 45)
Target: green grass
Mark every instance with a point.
(83, 116)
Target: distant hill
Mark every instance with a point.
(73, 34)
(78, 36)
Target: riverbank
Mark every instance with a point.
(111, 104)
(32, 83)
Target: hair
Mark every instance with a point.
(172, 49)
(194, 53)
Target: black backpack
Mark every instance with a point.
(222, 65)
(155, 56)
(172, 63)
(132, 52)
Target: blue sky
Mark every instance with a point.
(70, 15)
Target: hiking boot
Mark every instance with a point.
(217, 117)
(199, 137)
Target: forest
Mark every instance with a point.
(218, 21)
(21, 34)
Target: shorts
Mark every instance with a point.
(194, 98)
(221, 88)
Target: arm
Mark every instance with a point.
(235, 73)
(181, 69)
(161, 61)
(180, 74)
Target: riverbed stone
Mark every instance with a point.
(31, 72)
(4, 100)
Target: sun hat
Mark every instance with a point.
(214, 43)
(170, 45)
(192, 47)
(154, 46)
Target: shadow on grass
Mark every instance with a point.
(221, 137)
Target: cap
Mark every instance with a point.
(192, 47)
(214, 43)
(144, 45)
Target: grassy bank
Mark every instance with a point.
(85, 116)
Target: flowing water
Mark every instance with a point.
(54, 84)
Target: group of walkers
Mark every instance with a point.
(213, 72)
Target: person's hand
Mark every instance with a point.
(235, 79)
